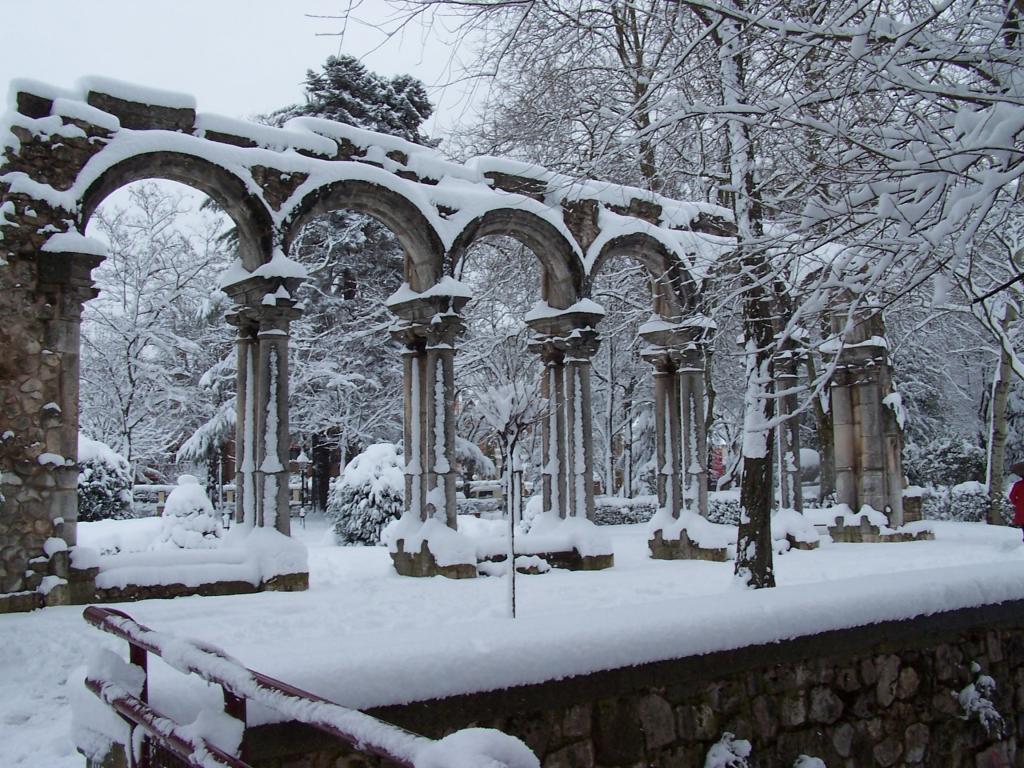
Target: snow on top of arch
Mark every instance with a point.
(119, 89)
(266, 136)
(462, 188)
(79, 110)
(542, 310)
(37, 88)
(73, 242)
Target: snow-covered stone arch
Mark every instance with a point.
(64, 151)
(251, 218)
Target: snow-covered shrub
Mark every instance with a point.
(104, 482)
(728, 752)
(963, 503)
(367, 495)
(724, 507)
(612, 510)
(976, 703)
(944, 461)
(189, 521)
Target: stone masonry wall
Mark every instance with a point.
(885, 695)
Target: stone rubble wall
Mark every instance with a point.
(884, 695)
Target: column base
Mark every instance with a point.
(684, 548)
(866, 532)
(423, 563)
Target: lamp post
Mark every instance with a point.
(303, 461)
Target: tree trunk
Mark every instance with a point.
(998, 430)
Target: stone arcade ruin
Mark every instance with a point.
(64, 152)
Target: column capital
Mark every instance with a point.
(439, 331)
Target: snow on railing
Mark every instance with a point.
(363, 732)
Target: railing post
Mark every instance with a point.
(234, 706)
(138, 656)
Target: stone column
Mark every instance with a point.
(866, 417)
(553, 428)
(414, 360)
(679, 356)
(245, 415)
(667, 423)
(580, 347)
(273, 441)
(439, 410)
(263, 314)
(566, 341)
(40, 313)
(692, 372)
(788, 433)
(427, 328)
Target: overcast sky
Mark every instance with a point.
(237, 57)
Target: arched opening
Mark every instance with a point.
(652, 382)
(420, 243)
(499, 400)
(562, 279)
(157, 380)
(347, 373)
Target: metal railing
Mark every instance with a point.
(363, 732)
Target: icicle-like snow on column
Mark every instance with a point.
(263, 313)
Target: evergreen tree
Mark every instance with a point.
(347, 92)
(367, 495)
(104, 483)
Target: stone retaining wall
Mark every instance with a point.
(884, 695)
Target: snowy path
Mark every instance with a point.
(359, 617)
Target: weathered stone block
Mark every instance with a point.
(825, 706)
(696, 722)
(793, 710)
(657, 721)
(888, 674)
(887, 752)
(915, 743)
(618, 737)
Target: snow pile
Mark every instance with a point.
(189, 521)
(110, 537)
(702, 532)
(447, 546)
(104, 482)
(476, 747)
(790, 523)
(368, 495)
(73, 242)
(551, 533)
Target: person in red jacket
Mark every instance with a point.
(1017, 495)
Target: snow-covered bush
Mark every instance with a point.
(189, 521)
(963, 503)
(728, 752)
(612, 510)
(367, 495)
(976, 703)
(944, 461)
(104, 482)
(724, 507)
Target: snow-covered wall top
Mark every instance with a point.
(104, 133)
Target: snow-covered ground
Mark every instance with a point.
(364, 635)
